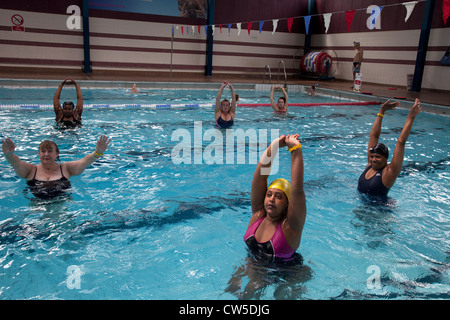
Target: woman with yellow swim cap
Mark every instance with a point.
(279, 211)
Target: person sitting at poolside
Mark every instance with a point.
(379, 176)
(224, 111)
(50, 178)
(282, 105)
(279, 210)
(68, 115)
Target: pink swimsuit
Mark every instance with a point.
(277, 247)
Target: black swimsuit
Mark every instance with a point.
(373, 186)
(49, 189)
(224, 124)
(69, 124)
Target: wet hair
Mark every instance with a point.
(282, 98)
(380, 149)
(70, 103)
(223, 102)
(48, 144)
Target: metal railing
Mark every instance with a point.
(284, 70)
(270, 74)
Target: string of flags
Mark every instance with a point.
(372, 23)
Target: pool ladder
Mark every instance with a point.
(281, 63)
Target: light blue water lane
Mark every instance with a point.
(139, 226)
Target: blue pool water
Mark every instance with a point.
(138, 226)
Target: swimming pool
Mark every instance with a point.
(139, 226)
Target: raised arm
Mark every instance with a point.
(56, 103)
(376, 128)
(21, 168)
(77, 167)
(395, 167)
(79, 107)
(218, 98)
(233, 100)
(296, 215)
(262, 172)
(272, 99)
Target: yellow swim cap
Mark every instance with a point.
(283, 185)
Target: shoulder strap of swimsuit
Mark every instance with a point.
(34, 177)
(60, 169)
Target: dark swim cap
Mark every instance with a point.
(380, 149)
(70, 103)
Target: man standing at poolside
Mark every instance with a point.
(68, 115)
(357, 59)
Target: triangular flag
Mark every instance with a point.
(409, 8)
(187, 30)
(289, 22)
(445, 10)
(193, 30)
(326, 21)
(213, 27)
(173, 32)
(249, 26)
(349, 17)
(198, 29)
(229, 29)
(220, 27)
(238, 25)
(307, 20)
(275, 24)
(182, 30)
(260, 26)
(206, 29)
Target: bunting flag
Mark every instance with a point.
(372, 22)
(326, 21)
(349, 17)
(409, 8)
(307, 20)
(275, 24)
(445, 10)
(289, 22)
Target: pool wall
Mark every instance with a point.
(130, 41)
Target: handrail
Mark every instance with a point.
(270, 74)
(285, 76)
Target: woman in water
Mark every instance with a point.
(50, 179)
(282, 104)
(279, 210)
(379, 176)
(225, 110)
(69, 115)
